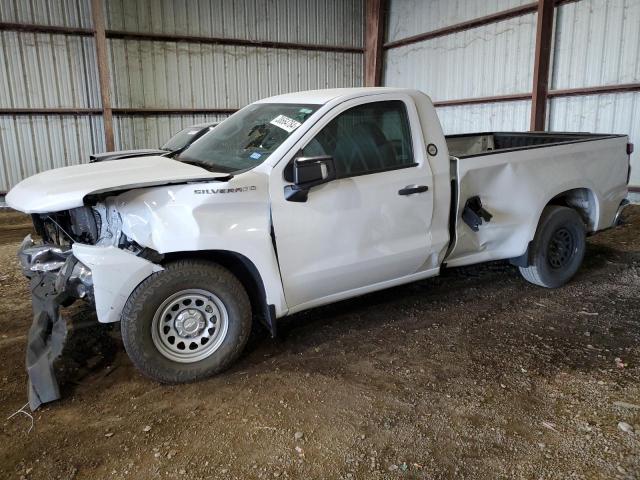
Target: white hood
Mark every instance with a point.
(65, 188)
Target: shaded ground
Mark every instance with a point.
(474, 374)
(13, 226)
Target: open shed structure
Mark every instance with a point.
(81, 76)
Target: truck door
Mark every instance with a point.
(369, 226)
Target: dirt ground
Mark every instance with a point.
(474, 374)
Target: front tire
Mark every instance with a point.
(187, 322)
(558, 248)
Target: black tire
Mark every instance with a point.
(137, 320)
(557, 248)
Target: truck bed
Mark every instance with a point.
(516, 174)
(472, 144)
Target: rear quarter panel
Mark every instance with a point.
(515, 187)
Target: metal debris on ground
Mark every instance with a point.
(22, 410)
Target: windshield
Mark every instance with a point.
(183, 138)
(247, 138)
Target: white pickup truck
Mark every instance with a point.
(297, 201)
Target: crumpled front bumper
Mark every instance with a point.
(105, 276)
(56, 278)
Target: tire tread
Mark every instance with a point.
(145, 292)
(533, 273)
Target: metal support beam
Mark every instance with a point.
(50, 111)
(513, 97)
(542, 61)
(374, 31)
(174, 111)
(169, 37)
(34, 28)
(620, 88)
(118, 111)
(97, 10)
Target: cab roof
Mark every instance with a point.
(320, 97)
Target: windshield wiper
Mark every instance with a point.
(199, 163)
(175, 153)
(209, 167)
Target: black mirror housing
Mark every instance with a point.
(309, 172)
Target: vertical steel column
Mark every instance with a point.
(373, 37)
(97, 11)
(542, 60)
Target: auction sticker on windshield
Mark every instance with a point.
(285, 123)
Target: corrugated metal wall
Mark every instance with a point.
(486, 117)
(50, 70)
(325, 22)
(598, 43)
(41, 70)
(412, 17)
(154, 130)
(441, 66)
(61, 13)
(32, 143)
(494, 59)
(145, 73)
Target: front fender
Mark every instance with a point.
(115, 273)
(232, 216)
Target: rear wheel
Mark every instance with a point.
(557, 249)
(187, 322)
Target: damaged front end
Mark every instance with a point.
(83, 254)
(57, 279)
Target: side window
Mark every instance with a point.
(366, 139)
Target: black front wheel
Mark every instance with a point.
(557, 248)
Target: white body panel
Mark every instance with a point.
(353, 235)
(64, 188)
(356, 234)
(116, 273)
(201, 216)
(516, 186)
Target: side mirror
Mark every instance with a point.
(309, 172)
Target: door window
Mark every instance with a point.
(365, 139)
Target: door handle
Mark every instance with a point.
(409, 189)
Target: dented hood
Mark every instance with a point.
(64, 188)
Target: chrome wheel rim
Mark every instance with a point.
(189, 325)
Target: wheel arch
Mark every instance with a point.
(558, 249)
(246, 272)
(582, 199)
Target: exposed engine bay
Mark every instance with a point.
(78, 224)
(58, 278)
(100, 224)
